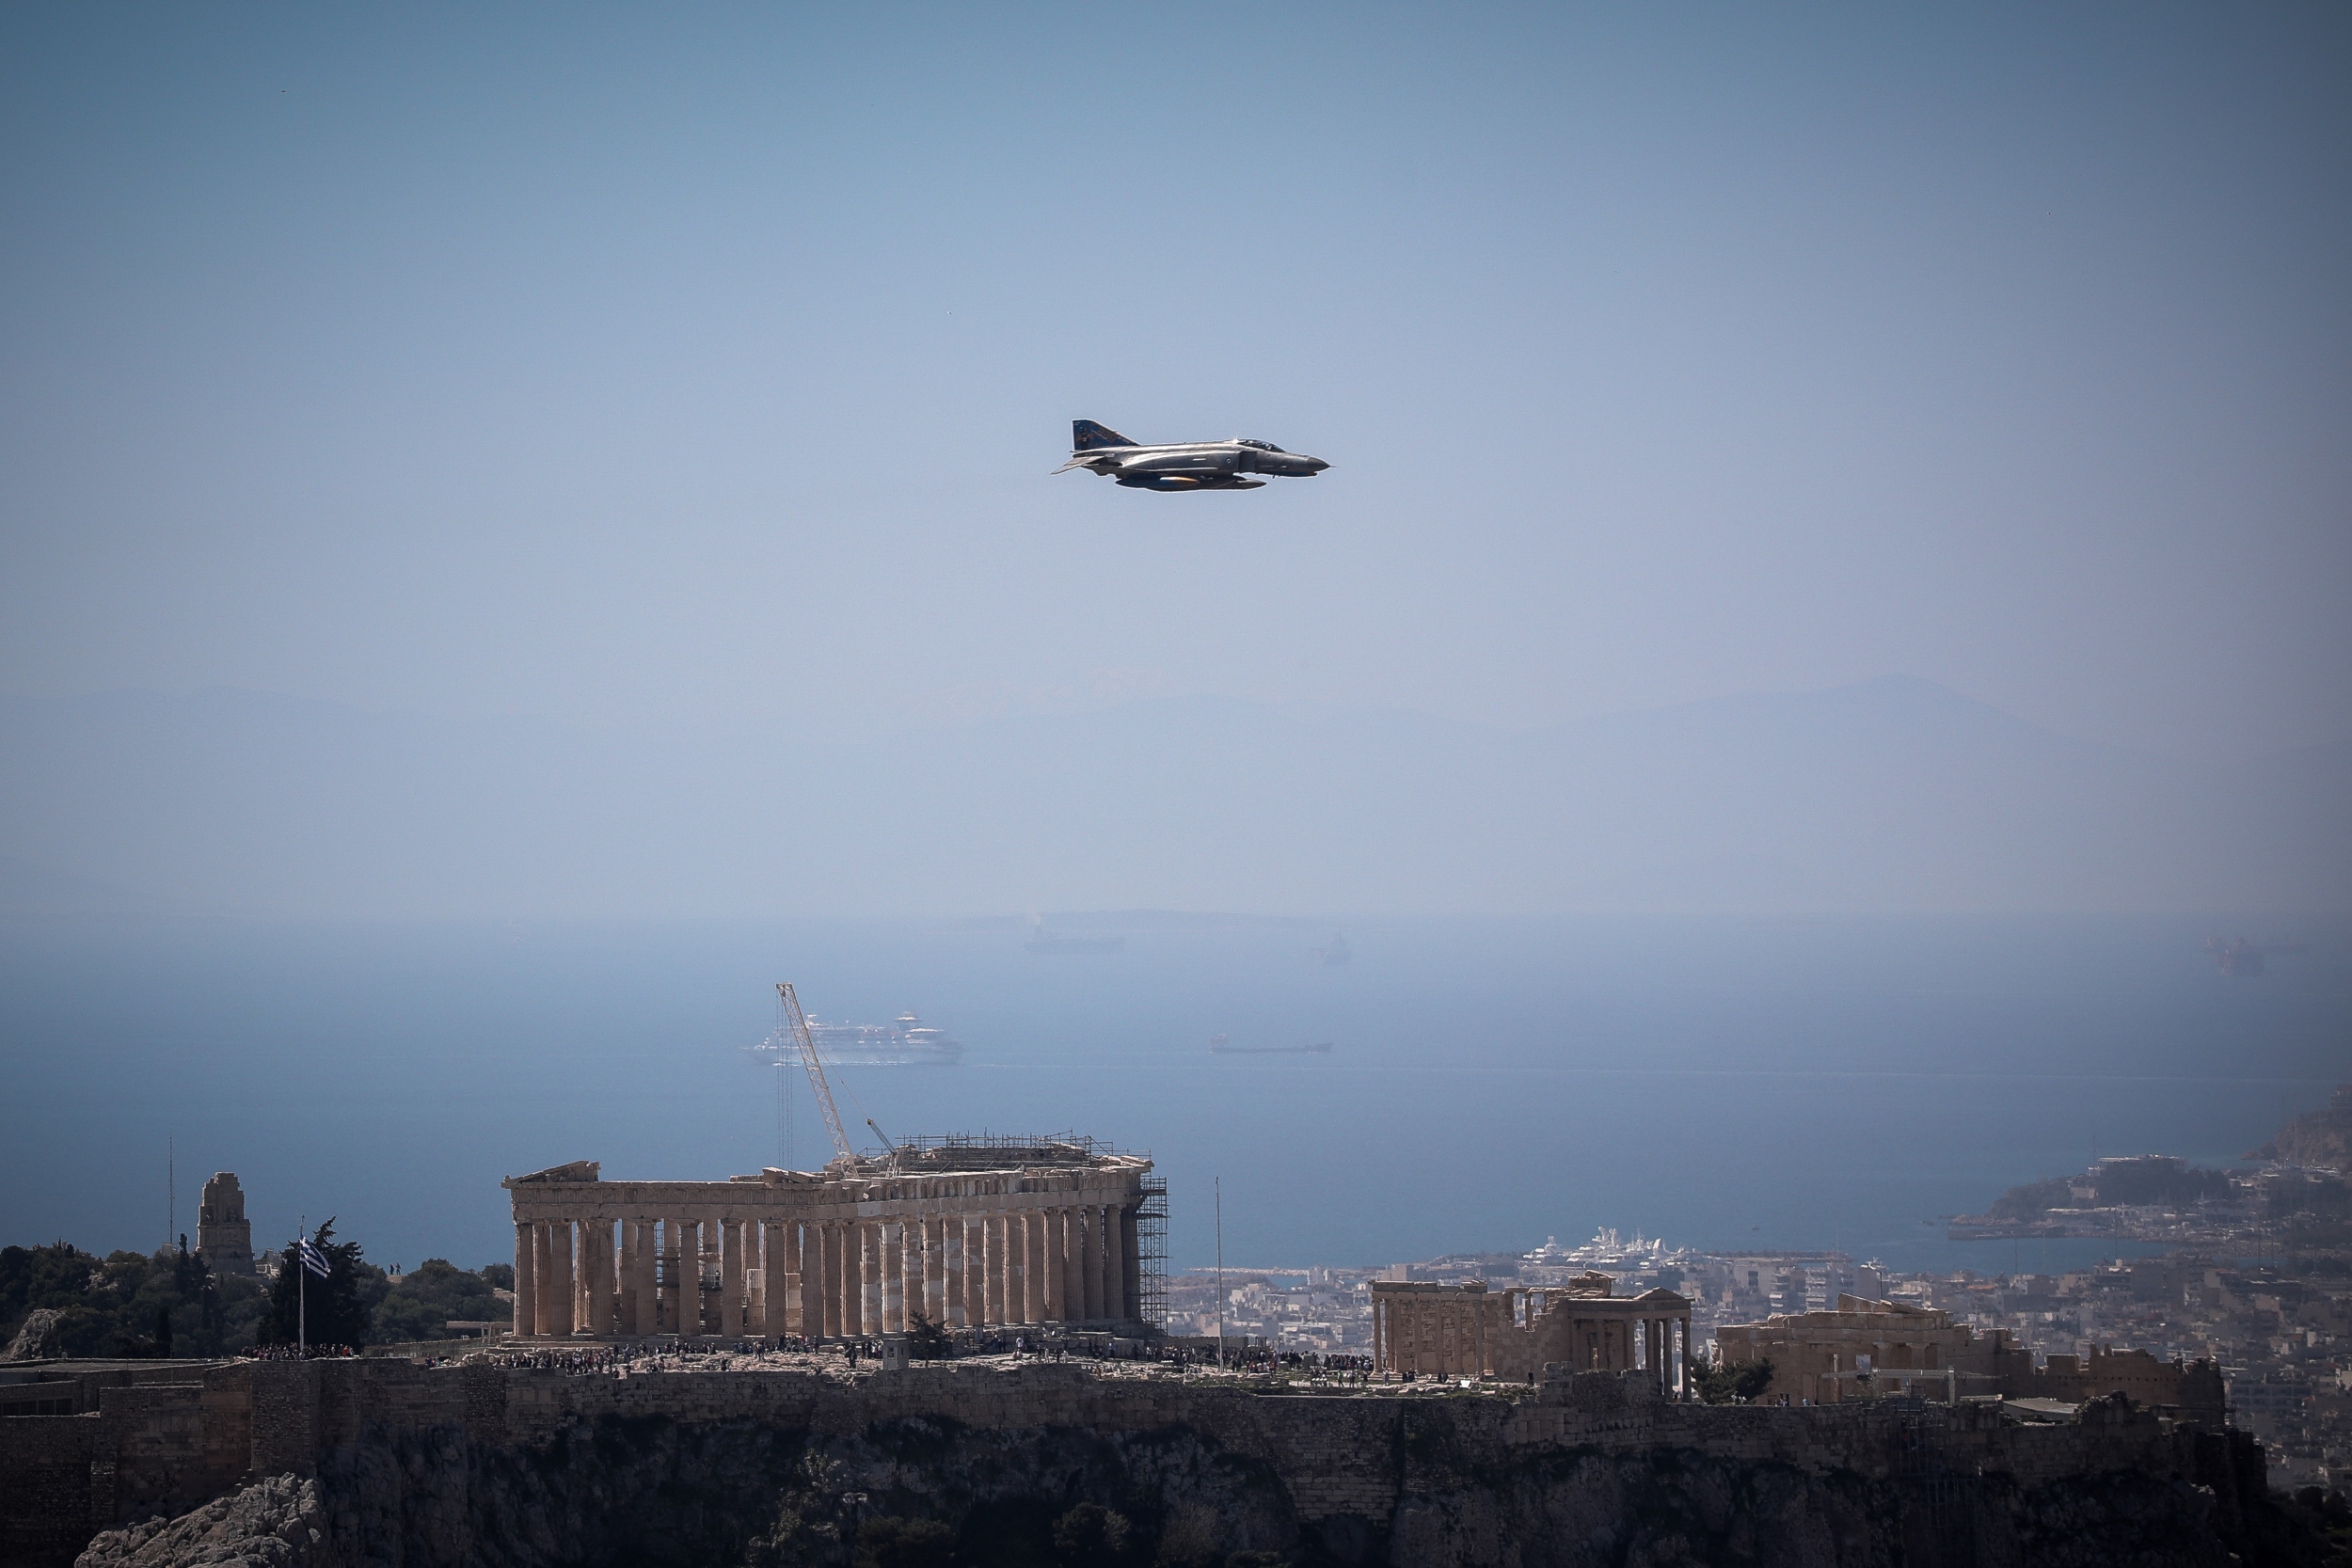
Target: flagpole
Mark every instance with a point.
(302, 1299)
(1220, 1273)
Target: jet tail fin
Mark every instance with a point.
(1084, 435)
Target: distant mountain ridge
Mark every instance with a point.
(1891, 794)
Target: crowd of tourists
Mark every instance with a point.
(658, 1355)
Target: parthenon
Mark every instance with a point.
(960, 1233)
(1469, 1331)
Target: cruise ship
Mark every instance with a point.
(904, 1042)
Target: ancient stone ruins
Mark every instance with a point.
(223, 1236)
(1469, 1331)
(960, 1233)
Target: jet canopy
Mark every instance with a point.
(1262, 446)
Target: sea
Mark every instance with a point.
(1722, 1084)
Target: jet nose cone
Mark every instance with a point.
(1316, 465)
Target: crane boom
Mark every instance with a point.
(797, 1026)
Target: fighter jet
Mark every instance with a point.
(1190, 465)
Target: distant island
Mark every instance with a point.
(2160, 1198)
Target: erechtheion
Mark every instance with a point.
(1467, 1330)
(961, 1233)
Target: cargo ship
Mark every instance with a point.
(1224, 1047)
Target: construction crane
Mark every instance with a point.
(796, 1025)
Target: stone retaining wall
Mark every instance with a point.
(1357, 1461)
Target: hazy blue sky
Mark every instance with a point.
(710, 363)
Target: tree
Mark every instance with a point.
(120, 1305)
(331, 1309)
(1090, 1536)
(926, 1338)
(1716, 1383)
(420, 1305)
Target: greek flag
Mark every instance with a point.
(312, 1259)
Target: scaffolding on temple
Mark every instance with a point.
(1151, 1245)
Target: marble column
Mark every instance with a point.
(972, 1288)
(1046, 1255)
(1015, 1268)
(869, 1265)
(910, 1266)
(979, 1262)
(993, 1270)
(951, 1261)
(1053, 1285)
(808, 1308)
(1004, 1281)
(542, 1274)
(787, 1312)
(598, 1269)
(849, 1282)
(820, 1275)
(1115, 1303)
(1074, 1285)
(1034, 1254)
(608, 1274)
(1088, 1220)
(559, 1288)
(649, 1276)
(916, 1232)
(663, 1237)
(936, 1267)
(827, 1296)
(625, 1306)
(690, 1276)
(526, 1279)
(584, 1262)
(757, 1254)
(914, 1268)
(1008, 1269)
(596, 1277)
(728, 1238)
(894, 1276)
(646, 1279)
(849, 1286)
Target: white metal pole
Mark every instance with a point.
(302, 1299)
(1220, 1270)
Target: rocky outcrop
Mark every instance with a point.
(652, 1489)
(36, 1336)
(2322, 1138)
(274, 1523)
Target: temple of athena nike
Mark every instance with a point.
(969, 1232)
